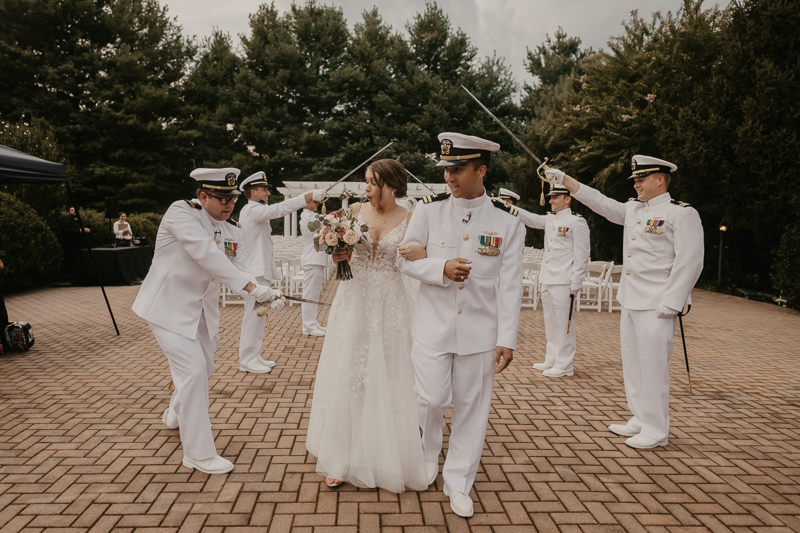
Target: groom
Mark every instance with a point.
(467, 311)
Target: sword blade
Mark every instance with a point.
(303, 300)
(359, 166)
(420, 181)
(499, 123)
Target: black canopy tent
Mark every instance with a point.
(19, 167)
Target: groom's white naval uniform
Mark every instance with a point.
(457, 326)
(662, 260)
(566, 255)
(257, 251)
(179, 299)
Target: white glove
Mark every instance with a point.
(278, 304)
(318, 195)
(263, 294)
(665, 312)
(556, 174)
(575, 291)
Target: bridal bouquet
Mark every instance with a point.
(337, 231)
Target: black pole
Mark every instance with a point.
(719, 270)
(571, 307)
(91, 257)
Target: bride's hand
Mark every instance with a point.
(344, 254)
(412, 252)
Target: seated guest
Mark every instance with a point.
(122, 230)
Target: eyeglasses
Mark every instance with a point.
(224, 200)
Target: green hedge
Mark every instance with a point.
(786, 262)
(28, 247)
(145, 225)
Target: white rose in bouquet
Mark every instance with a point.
(350, 237)
(331, 239)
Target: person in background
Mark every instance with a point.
(72, 240)
(3, 311)
(122, 230)
(313, 263)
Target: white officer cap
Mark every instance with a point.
(643, 165)
(257, 179)
(557, 190)
(219, 180)
(505, 194)
(455, 149)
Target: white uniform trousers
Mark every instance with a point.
(191, 362)
(467, 381)
(252, 336)
(646, 342)
(555, 305)
(312, 287)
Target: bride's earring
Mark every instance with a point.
(392, 193)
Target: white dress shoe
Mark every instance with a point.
(314, 333)
(433, 471)
(641, 442)
(558, 372)
(257, 368)
(215, 465)
(323, 328)
(460, 503)
(624, 430)
(270, 364)
(542, 366)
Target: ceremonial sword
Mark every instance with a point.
(542, 164)
(359, 166)
(265, 306)
(420, 181)
(571, 307)
(683, 339)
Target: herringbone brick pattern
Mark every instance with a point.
(82, 447)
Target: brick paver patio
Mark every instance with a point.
(82, 446)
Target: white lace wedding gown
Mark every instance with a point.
(363, 428)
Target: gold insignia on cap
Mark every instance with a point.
(231, 178)
(633, 164)
(446, 145)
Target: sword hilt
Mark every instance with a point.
(539, 169)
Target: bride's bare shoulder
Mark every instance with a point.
(356, 208)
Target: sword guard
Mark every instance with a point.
(541, 167)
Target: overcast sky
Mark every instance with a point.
(506, 27)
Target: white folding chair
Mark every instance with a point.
(530, 284)
(294, 278)
(229, 297)
(612, 286)
(591, 294)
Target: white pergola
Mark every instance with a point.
(292, 189)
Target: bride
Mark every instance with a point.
(363, 427)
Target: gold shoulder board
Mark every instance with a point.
(435, 197)
(510, 209)
(682, 204)
(231, 221)
(633, 200)
(192, 204)
(578, 215)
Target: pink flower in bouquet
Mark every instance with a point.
(331, 239)
(350, 237)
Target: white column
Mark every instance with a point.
(287, 225)
(294, 224)
(345, 202)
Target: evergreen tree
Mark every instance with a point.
(105, 75)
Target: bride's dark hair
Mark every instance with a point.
(391, 173)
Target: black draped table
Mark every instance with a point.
(127, 265)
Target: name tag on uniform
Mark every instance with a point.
(654, 225)
(562, 231)
(230, 248)
(490, 245)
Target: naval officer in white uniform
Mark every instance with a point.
(313, 263)
(508, 196)
(662, 260)
(467, 310)
(566, 254)
(257, 251)
(197, 247)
